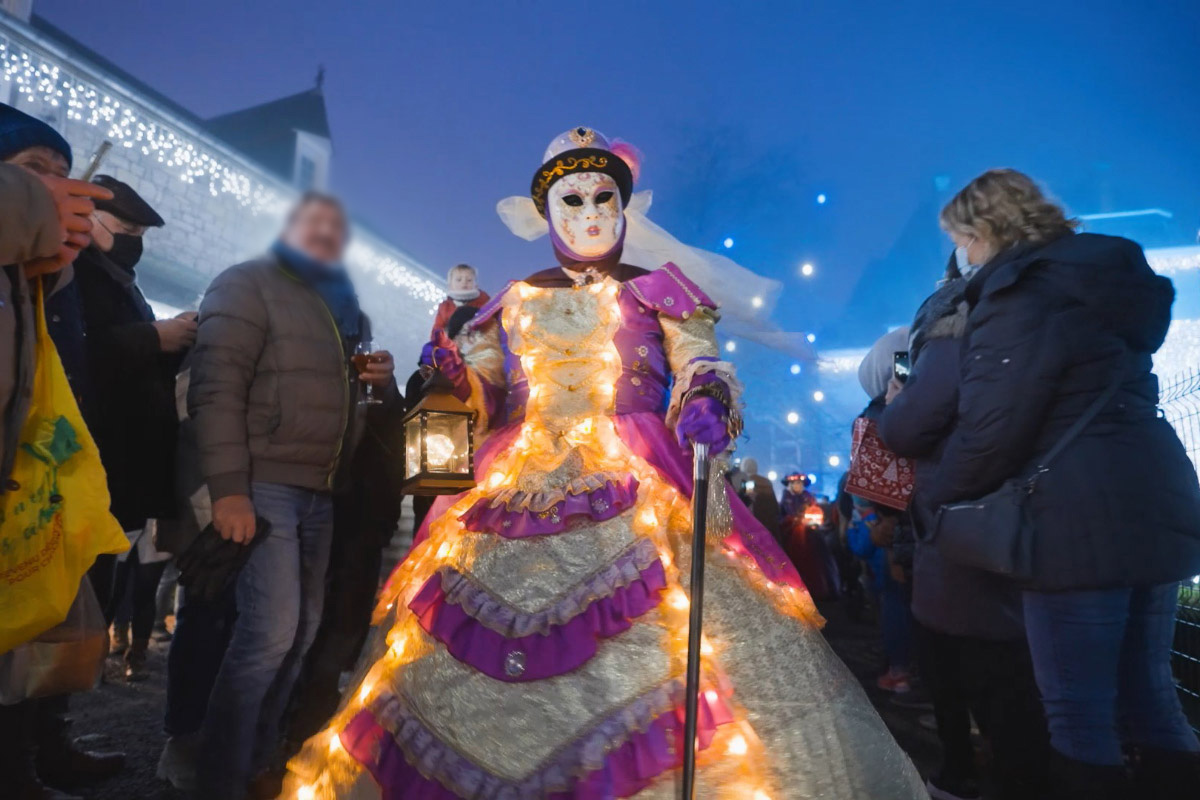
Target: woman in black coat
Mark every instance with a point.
(970, 633)
(1055, 318)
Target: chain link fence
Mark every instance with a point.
(1181, 406)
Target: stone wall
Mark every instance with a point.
(220, 208)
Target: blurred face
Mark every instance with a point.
(42, 161)
(585, 213)
(319, 230)
(978, 252)
(797, 487)
(462, 280)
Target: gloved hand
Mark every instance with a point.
(704, 419)
(442, 354)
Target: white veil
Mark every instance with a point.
(746, 298)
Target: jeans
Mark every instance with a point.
(992, 681)
(279, 595)
(895, 621)
(135, 595)
(1102, 661)
(198, 647)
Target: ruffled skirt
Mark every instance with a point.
(533, 645)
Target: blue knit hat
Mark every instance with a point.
(19, 131)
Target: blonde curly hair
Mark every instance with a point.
(1004, 207)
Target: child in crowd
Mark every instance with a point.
(462, 289)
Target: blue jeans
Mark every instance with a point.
(1103, 665)
(279, 595)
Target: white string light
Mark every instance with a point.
(39, 80)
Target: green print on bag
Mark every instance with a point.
(52, 442)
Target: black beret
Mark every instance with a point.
(126, 203)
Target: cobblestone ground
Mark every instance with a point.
(129, 716)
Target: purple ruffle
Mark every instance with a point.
(617, 758)
(568, 634)
(492, 515)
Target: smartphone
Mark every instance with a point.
(900, 366)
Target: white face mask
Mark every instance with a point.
(963, 261)
(585, 214)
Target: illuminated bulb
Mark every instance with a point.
(526, 321)
(665, 558)
(443, 550)
(795, 369)
(397, 649)
(678, 599)
(306, 792)
(738, 746)
(756, 302)
(730, 346)
(807, 269)
(835, 461)
(335, 743)
(792, 419)
(439, 448)
(364, 692)
(710, 695)
(649, 517)
(706, 648)
(772, 475)
(819, 396)
(495, 479)
(761, 795)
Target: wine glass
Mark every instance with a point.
(361, 358)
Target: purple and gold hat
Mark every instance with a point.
(584, 150)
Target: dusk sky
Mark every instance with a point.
(746, 112)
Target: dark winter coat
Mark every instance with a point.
(1050, 327)
(129, 404)
(272, 397)
(946, 597)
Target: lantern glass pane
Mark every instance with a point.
(412, 446)
(446, 443)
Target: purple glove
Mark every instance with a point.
(442, 354)
(704, 419)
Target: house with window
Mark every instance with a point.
(223, 185)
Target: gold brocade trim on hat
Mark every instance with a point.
(561, 167)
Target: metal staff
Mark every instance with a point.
(695, 620)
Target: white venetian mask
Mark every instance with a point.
(585, 214)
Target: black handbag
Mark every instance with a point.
(995, 533)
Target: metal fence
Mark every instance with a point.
(1181, 406)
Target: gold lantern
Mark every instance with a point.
(439, 443)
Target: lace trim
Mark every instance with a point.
(643, 737)
(491, 612)
(517, 500)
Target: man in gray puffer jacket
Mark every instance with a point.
(274, 403)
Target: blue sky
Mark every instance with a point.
(745, 111)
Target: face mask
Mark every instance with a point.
(585, 215)
(126, 250)
(963, 262)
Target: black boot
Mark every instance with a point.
(17, 762)
(59, 761)
(1078, 780)
(1160, 774)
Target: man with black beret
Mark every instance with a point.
(122, 363)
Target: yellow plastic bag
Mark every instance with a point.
(54, 517)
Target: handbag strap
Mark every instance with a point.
(1084, 419)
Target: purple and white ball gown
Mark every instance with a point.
(532, 644)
